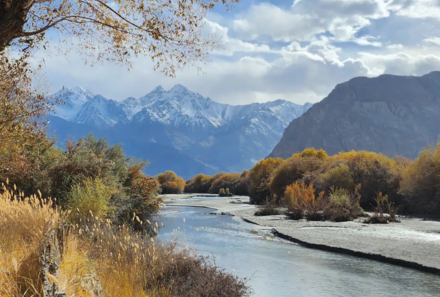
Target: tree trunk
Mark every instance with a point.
(13, 15)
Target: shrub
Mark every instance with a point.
(259, 178)
(90, 197)
(200, 183)
(343, 205)
(171, 183)
(292, 170)
(373, 171)
(339, 176)
(383, 206)
(301, 202)
(227, 180)
(420, 184)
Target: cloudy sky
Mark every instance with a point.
(279, 49)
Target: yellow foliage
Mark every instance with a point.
(311, 153)
(171, 183)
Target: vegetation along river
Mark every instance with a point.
(274, 267)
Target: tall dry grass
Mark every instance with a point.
(101, 259)
(23, 224)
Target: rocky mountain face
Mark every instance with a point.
(203, 135)
(393, 115)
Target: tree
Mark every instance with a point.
(259, 178)
(171, 183)
(170, 32)
(22, 106)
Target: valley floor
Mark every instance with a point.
(412, 243)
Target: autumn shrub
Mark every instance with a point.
(200, 183)
(384, 211)
(301, 202)
(259, 179)
(338, 175)
(343, 205)
(92, 196)
(170, 183)
(421, 183)
(375, 172)
(295, 169)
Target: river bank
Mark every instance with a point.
(413, 243)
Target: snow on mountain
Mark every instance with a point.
(222, 136)
(177, 107)
(74, 99)
(101, 112)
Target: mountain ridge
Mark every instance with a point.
(389, 114)
(219, 136)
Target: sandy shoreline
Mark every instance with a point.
(413, 243)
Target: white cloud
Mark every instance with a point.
(401, 63)
(433, 40)
(416, 8)
(308, 18)
(230, 45)
(299, 53)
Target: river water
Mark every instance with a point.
(274, 267)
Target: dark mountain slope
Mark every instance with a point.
(387, 114)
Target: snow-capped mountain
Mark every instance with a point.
(101, 112)
(222, 137)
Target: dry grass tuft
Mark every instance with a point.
(100, 259)
(23, 224)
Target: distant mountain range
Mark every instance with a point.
(393, 115)
(177, 129)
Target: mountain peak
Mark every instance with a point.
(158, 89)
(178, 88)
(82, 90)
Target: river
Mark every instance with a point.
(274, 267)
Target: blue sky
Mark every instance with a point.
(296, 51)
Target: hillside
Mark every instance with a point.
(393, 115)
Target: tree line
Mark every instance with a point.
(411, 185)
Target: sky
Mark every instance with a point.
(297, 51)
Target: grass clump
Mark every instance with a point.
(24, 221)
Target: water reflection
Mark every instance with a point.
(275, 267)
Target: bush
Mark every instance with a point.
(292, 170)
(224, 192)
(301, 202)
(259, 178)
(338, 176)
(373, 171)
(420, 184)
(200, 183)
(383, 206)
(343, 205)
(171, 183)
(90, 197)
